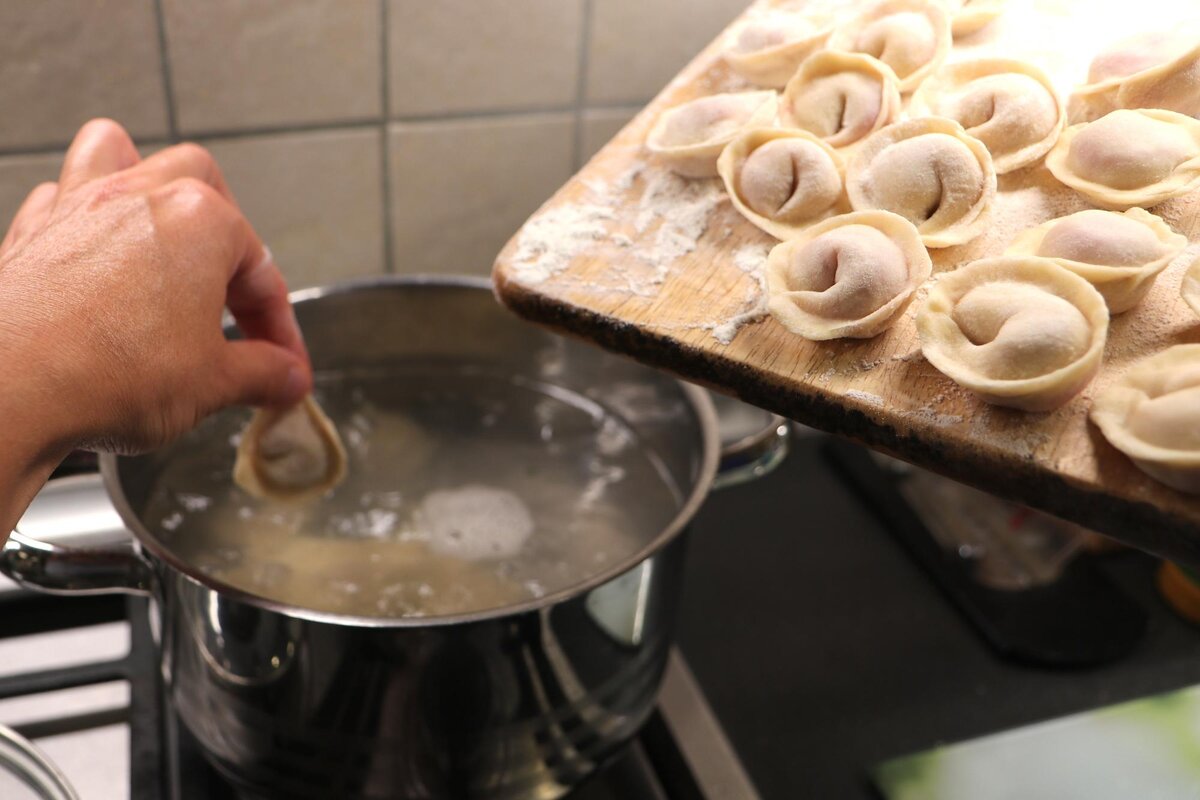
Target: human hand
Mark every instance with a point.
(113, 282)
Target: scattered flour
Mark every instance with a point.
(865, 397)
(673, 213)
(751, 259)
(937, 418)
(549, 242)
(681, 208)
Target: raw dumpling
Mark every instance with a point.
(929, 171)
(1019, 332)
(1190, 289)
(841, 97)
(968, 16)
(1129, 158)
(910, 36)
(769, 48)
(1149, 70)
(689, 137)
(849, 276)
(1119, 254)
(291, 455)
(1152, 414)
(1008, 105)
(782, 180)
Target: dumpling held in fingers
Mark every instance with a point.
(689, 137)
(1160, 69)
(1019, 332)
(910, 36)
(291, 454)
(929, 171)
(1129, 158)
(1119, 254)
(1152, 414)
(846, 277)
(782, 180)
(770, 47)
(841, 97)
(1010, 106)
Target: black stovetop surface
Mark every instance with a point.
(824, 649)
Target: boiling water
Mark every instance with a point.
(465, 491)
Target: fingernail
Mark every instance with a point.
(267, 258)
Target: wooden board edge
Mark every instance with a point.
(1141, 524)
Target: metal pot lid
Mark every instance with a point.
(26, 773)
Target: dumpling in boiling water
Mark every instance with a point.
(291, 454)
(1129, 158)
(475, 522)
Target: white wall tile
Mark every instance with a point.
(316, 199)
(238, 65)
(66, 61)
(482, 55)
(637, 46)
(600, 125)
(460, 189)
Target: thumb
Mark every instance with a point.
(259, 373)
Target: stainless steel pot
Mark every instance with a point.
(518, 702)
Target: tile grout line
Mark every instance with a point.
(385, 158)
(279, 130)
(584, 61)
(363, 123)
(165, 62)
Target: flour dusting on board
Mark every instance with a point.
(681, 208)
(550, 241)
(669, 218)
(865, 397)
(751, 259)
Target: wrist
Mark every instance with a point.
(33, 439)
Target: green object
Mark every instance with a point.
(1147, 749)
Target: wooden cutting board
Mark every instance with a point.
(664, 270)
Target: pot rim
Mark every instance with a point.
(710, 450)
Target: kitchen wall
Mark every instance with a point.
(360, 136)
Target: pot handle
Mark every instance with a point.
(753, 456)
(84, 556)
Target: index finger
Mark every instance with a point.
(101, 148)
(257, 296)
